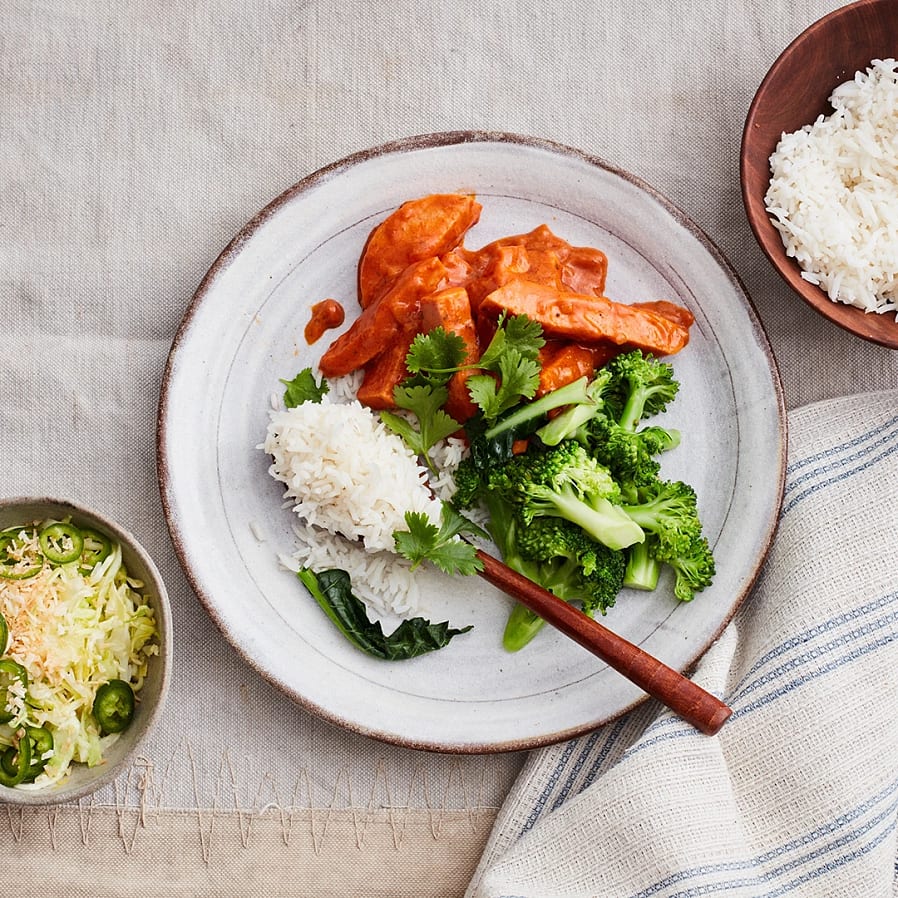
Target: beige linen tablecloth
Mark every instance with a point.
(135, 140)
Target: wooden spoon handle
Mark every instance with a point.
(680, 694)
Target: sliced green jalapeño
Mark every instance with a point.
(97, 548)
(11, 568)
(11, 673)
(61, 543)
(15, 762)
(114, 706)
(41, 741)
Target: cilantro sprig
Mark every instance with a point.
(511, 373)
(512, 354)
(425, 402)
(426, 541)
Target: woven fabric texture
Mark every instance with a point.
(136, 140)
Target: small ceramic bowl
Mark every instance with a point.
(794, 93)
(82, 779)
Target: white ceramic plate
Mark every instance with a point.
(244, 331)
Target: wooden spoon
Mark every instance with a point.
(696, 706)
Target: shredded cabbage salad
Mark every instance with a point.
(74, 624)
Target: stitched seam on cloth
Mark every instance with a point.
(835, 450)
(135, 830)
(138, 802)
(887, 813)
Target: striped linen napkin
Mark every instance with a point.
(798, 793)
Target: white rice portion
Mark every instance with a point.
(833, 194)
(346, 473)
(382, 580)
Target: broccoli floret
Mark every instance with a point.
(631, 456)
(641, 386)
(560, 557)
(585, 570)
(566, 482)
(669, 510)
(546, 538)
(693, 565)
(670, 513)
(468, 483)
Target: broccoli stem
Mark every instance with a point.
(572, 393)
(642, 570)
(603, 521)
(567, 423)
(632, 413)
(521, 627)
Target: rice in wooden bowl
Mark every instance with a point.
(819, 168)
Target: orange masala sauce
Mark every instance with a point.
(326, 314)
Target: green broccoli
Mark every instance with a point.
(631, 456)
(668, 511)
(560, 557)
(492, 443)
(640, 386)
(570, 423)
(642, 569)
(693, 566)
(585, 570)
(469, 483)
(566, 482)
(573, 393)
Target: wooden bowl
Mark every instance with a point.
(794, 93)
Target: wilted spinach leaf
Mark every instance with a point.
(332, 590)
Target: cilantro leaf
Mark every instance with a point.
(453, 523)
(425, 541)
(402, 426)
(425, 401)
(303, 388)
(518, 379)
(512, 355)
(519, 334)
(436, 353)
(421, 536)
(525, 334)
